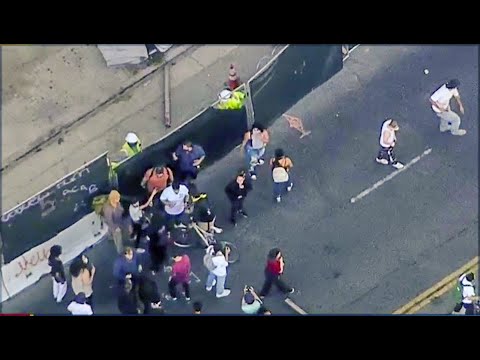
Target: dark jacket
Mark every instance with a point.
(233, 190)
(57, 271)
(122, 267)
(127, 302)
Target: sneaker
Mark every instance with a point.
(211, 287)
(180, 226)
(289, 187)
(217, 230)
(244, 214)
(459, 132)
(398, 165)
(154, 273)
(188, 299)
(292, 290)
(261, 161)
(139, 251)
(234, 222)
(254, 177)
(279, 198)
(173, 299)
(382, 161)
(226, 292)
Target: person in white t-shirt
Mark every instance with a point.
(388, 140)
(468, 293)
(440, 101)
(79, 305)
(218, 275)
(175, 199)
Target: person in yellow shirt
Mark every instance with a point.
(231, 100)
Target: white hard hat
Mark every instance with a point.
(131, 138)
(225, 95)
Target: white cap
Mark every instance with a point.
(225, 95)
(131, 138)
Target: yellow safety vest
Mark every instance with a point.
(234, 103)
(131, 152)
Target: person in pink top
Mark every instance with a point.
(180, 275)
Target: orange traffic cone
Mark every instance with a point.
(233, 81)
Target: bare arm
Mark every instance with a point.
(460, 104)
(149, 202)
(246, 137)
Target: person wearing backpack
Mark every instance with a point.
(466, 294)
(281, 176)
(217, 264)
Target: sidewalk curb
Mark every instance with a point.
(144, 74)
(437, 290)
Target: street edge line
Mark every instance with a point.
(446, 283)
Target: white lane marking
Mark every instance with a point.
(389, 177)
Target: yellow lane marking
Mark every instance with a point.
(438, 289)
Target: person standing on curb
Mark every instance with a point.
(282, 179)
(58, 273)
(82, 272)
(237, 190)
(189, 158)
(253, 147)
(273, 272)
(218, 273)
(180, 276)
(175, 199)
(113, 214)
(388, 140)
(79, 305)
(440, 101)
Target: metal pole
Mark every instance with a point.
(249, 106)
(167, 119)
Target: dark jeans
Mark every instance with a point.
(387, 154)
(237, 206)
(137, 233)
(90, 300)
(185, 175)
(172, 288)
(158, 255)
(271, 279)
(469, 309)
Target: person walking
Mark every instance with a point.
(467, 291)
(253, 147)
(159, 243)
(83, 273)
(282, 178)
(273, 273)
(218, 270)
(440, 102)
(188, 158)
(237, 190)
(57, 272)
(175, 199)
(127, 265)
(180, 276)
(113, 215)
(79, 305)
(388, 140)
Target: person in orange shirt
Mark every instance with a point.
(282, 179)
(158, 178)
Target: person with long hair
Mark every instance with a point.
(83, 273)
(113, 215)
(282, 179)
(273, 273)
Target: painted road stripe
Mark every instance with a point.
(295, 307)
(438, 289)
(389, 177)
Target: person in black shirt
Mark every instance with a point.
(127, 301)
(149, 295)
(158, 247)
(237, 191)
(58, 273)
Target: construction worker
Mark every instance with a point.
(132, 147)
(231, 100)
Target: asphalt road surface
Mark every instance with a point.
(371, 256)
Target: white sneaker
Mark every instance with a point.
(180, 226)
(279, 199)
(398, 165)
(381, 161)
(261, 162)
(217, 230)
(254, 177)
(211, 287)
(459, 132)
(226, 292)
(289, 188)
